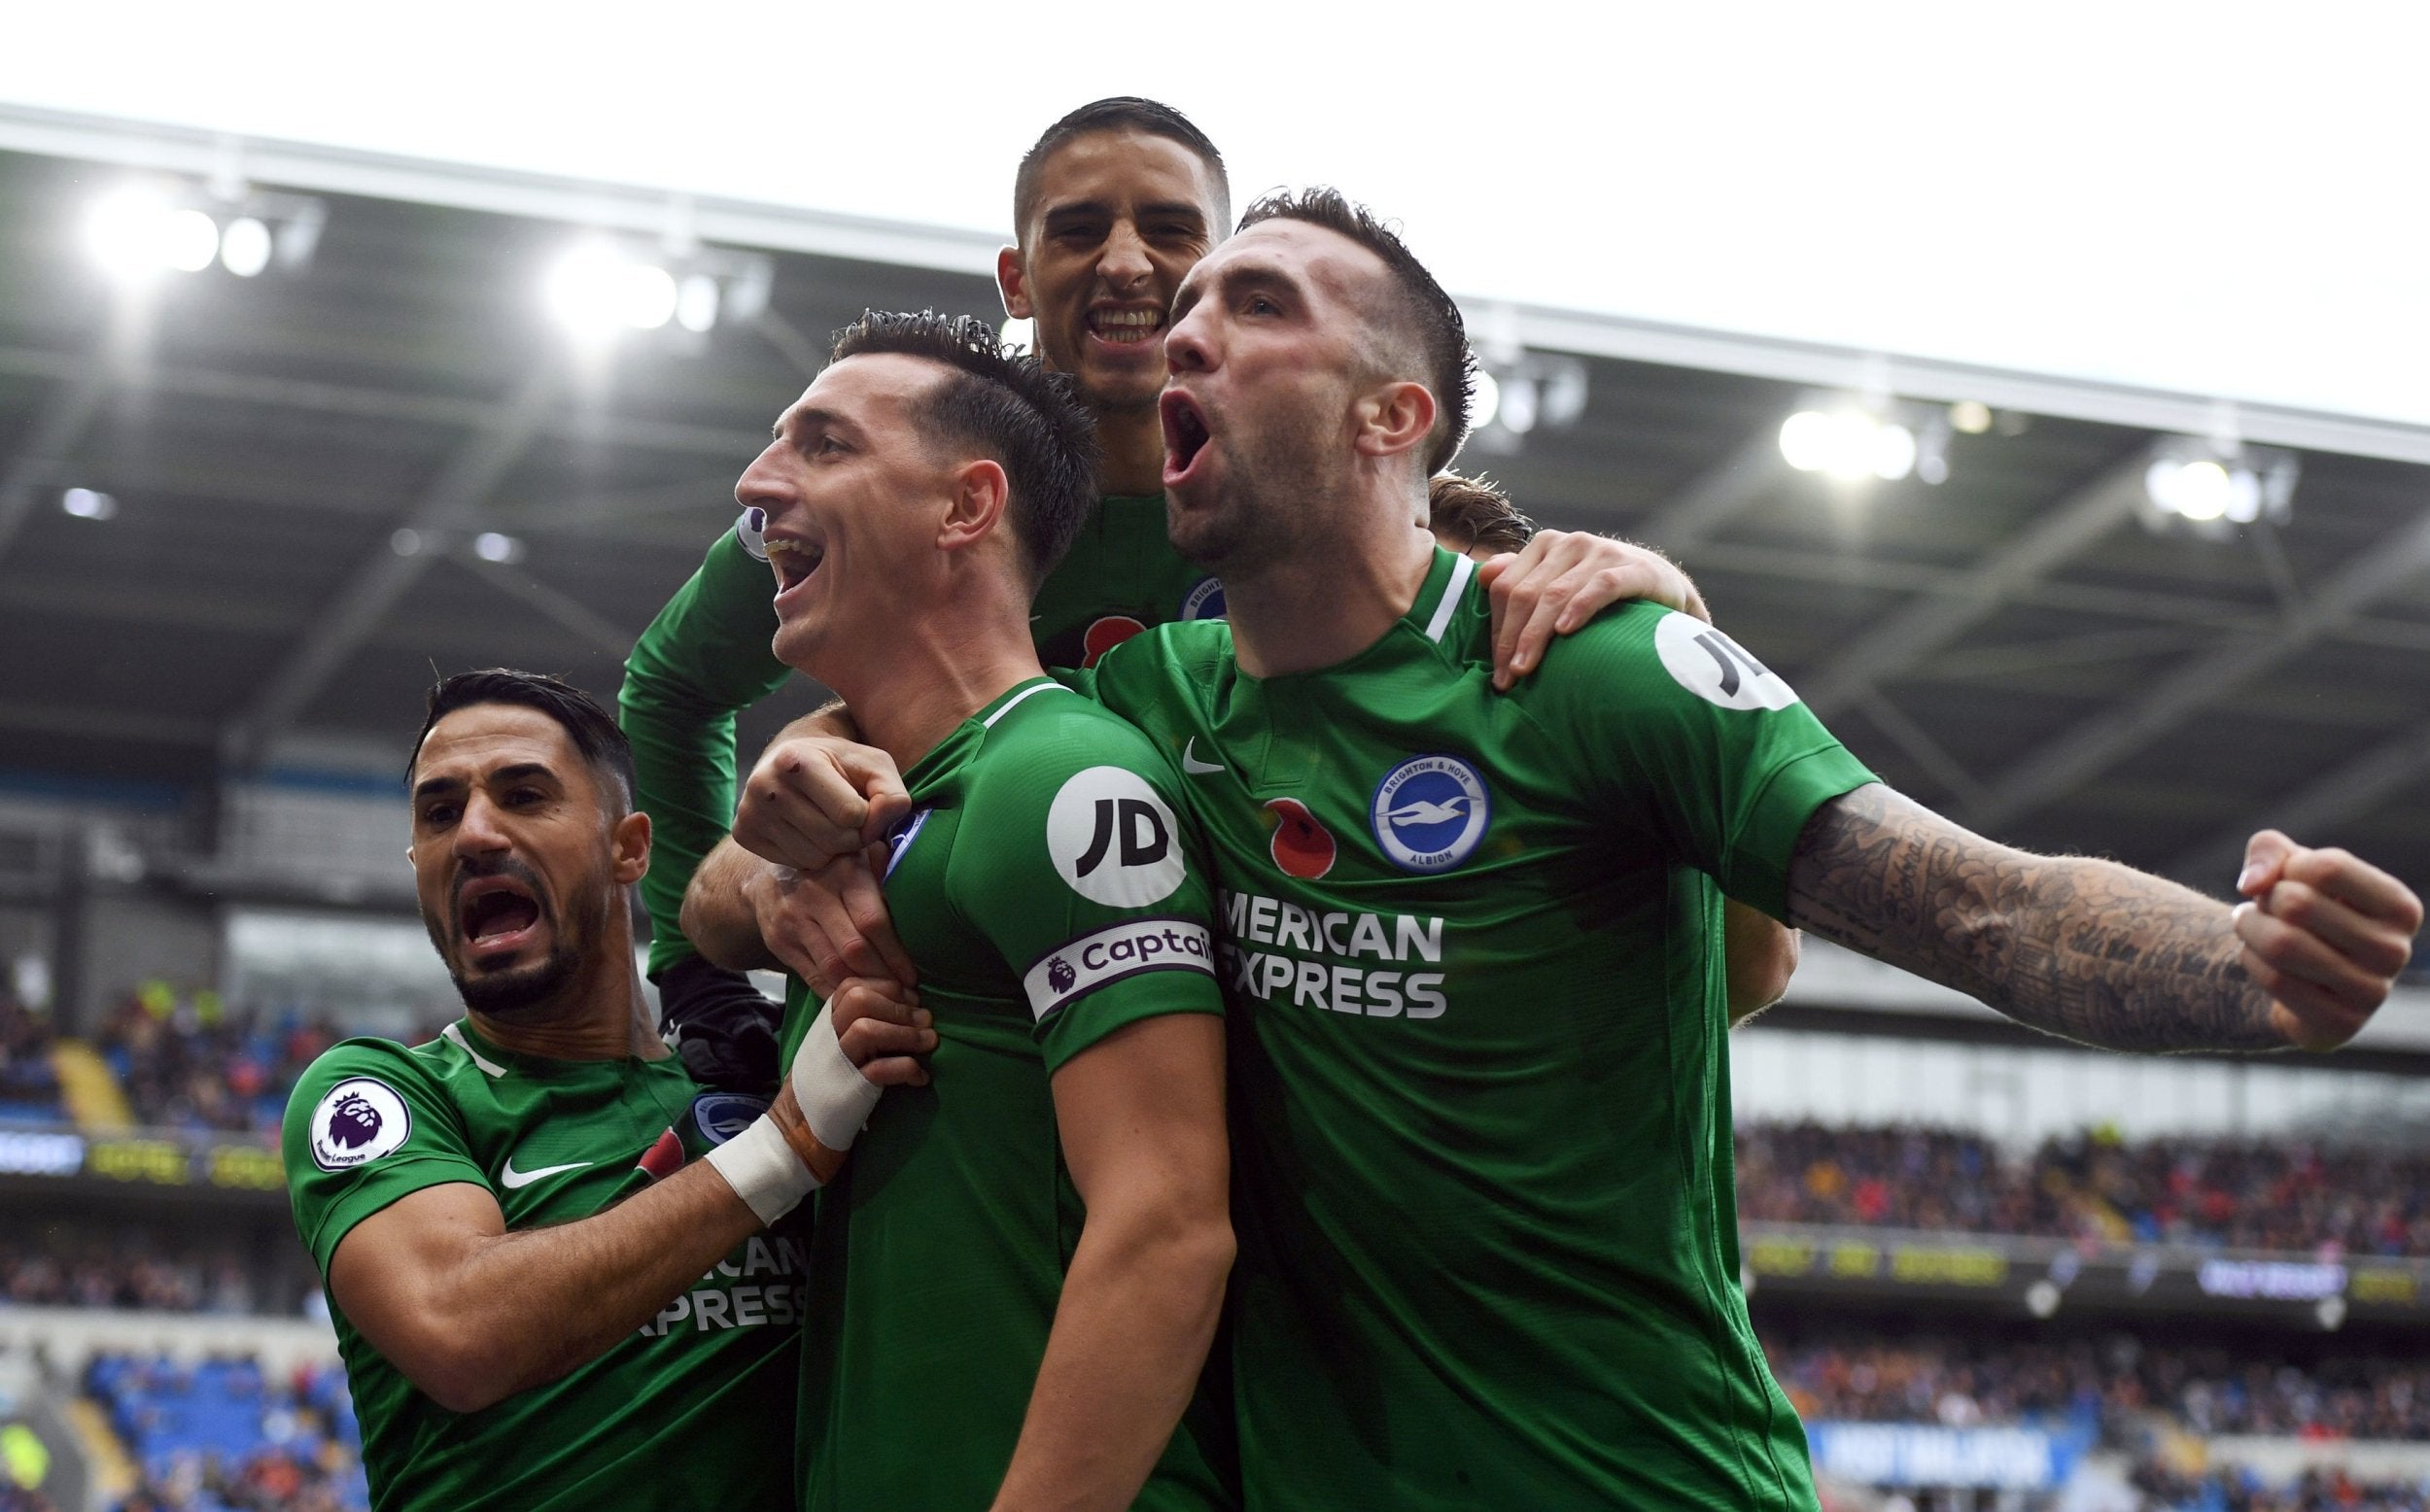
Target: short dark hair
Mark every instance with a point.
(1010, 408)
(1430, 319)
(1475, 512)
(588, 726)
(1120, 113)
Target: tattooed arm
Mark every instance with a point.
(2099, 952)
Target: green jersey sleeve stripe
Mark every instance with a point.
(1080, 966)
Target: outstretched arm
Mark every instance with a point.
(2099, 952)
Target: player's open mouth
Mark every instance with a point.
(1186, 434)
(496, 914)
(793, 562)
(1126, 328)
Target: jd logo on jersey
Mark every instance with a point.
(1144, 835)
(1430, 812)
(1112, 838)
(1716, 669)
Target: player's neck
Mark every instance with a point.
(938, 668)
(1330, 601)
(1131, 444)
(601, 1015)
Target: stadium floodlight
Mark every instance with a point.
(1518, 408)
(493, 547)
(2212, 485)
(245, 247)
(597, 291)
(1484, 401)
(140, 230)
(133, 234)
(696, 304)
(1970, 417)
(601, 287)
(1847, 444)
(87, 505)
(1519, 393)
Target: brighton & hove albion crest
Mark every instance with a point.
(720, 1115)
(1430, 812)
(1204, 601)
(355, 1123)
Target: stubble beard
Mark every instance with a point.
(519, 992)
(1270, 506)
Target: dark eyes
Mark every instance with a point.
(1259, 305)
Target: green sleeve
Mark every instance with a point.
(1672, 720)
(704, 659)
(1090, 883)
(366, 1126)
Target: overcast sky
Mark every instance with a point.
(2214, 198)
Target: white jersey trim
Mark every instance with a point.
(1463, 567)
(1013, 703)
(453, 1034)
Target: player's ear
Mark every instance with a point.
(1012, 285)
(628, 842)
(1393, 417)
(981, 493)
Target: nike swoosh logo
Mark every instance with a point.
(1190, 764)
(516, 1180)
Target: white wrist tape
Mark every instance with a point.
(763, 1170)
(836, 1098)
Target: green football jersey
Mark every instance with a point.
(1473, 949)
(705, 657)
(1051, 896)
(694, 1410)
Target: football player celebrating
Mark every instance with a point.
(1014, 1286)
(1487, 1252)
(540, 1237)
(1112, 206)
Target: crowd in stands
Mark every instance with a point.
(2284, 1194)
(2109, 1384)
(189, 1060)
(2168, 1490)
(220, 1437)
(29, 1090)
(53, 1266)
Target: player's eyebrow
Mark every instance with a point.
(1235, 279)
(805, 421)
(516, 772)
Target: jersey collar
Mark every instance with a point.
(954, 746)
(1439, 599)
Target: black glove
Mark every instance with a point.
(719, 1023)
